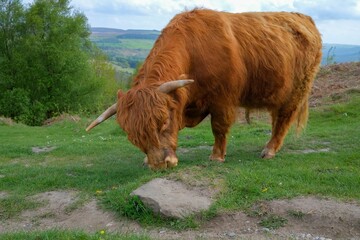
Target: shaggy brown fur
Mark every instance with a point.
(253, 60)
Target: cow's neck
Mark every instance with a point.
(167, 61)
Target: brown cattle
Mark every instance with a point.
(254, 60)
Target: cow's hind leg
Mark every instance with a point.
(281, 122)
(221, 122)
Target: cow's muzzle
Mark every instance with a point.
(169, 160)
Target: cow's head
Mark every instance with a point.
(148, 116)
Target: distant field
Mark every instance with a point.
(136, 43)
(122, 69)
(125, 49)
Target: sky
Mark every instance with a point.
(337, 20)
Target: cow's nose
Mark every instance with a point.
(171, 161)
(170, 158)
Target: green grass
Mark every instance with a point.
(104, 160)
(69, 235)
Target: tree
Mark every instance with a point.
(47, 61)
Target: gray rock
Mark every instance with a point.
(171, 198)
(231, 234)
(42, 149)
(3, 195)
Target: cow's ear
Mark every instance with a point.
(120, 94)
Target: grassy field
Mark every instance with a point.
(324, 161)
(73, 235)
(142, 44)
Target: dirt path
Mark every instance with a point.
(307, 218)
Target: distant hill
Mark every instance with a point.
(126, 48)
(125, 34)
(340, 53)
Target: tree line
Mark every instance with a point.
(48, 64)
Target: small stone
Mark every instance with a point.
(231, 234)
(172, 198)
(266, 229)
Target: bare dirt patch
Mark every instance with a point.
(62, 210)
(6, 121)
(3, 195)
(61, 118)
(42, 149)
(307, 218)
(333, 81)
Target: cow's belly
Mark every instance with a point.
(266, 94)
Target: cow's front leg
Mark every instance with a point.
(220, 123)
(219, 149)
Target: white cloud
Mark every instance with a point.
(340, 31)
(338, 21)
(329, 9)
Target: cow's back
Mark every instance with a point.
(278, 50)
(253, 59)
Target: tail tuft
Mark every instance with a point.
(302, 116)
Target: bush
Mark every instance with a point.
(47, 63)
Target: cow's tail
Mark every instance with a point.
(302, 116)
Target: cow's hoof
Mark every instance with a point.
(267, 153)
(216, 158)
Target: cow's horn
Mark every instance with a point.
(105, 115)
(171, 86)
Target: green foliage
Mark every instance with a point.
(46, 65)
